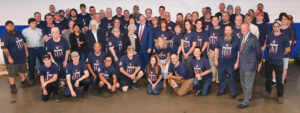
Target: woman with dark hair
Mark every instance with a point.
(163, 31)
(201, 36)
(77, 41)
(116, 25)
(155, 24)
(153, 73)
(188, 43)
(201, 69)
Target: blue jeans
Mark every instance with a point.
(204, 84)
(156, 90)
(143, 59)
(223, 72)
(82, 57)
(85, 83)
(34, 53)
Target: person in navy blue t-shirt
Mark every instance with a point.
(59, 50)
(188, 43)
(215, 33)
(162, 53)
(278, 45)
(237, 28)
(202, 72)
(179, 77)
(107, 76)
(148, 13)
(226, 59)
(77, 76)
(48, 73)
(163, 31)
(119, 14)
(84, 17)
(154, 77)
(130, 70)
(46, 29)
(175, 41)
(115, 44)
(106, 23)
(94, 60)
(116, 25)
(15, 52)
(201, 36)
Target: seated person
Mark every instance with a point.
(130, 70)
(48, 77)
(77, 75)
(179, 78)
(154, 76)
(107, 76)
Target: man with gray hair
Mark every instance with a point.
(250, 56)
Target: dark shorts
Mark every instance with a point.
(14, 69)
(125, 82)
(108, 80)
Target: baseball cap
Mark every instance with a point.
(74, 54)
(260, 13)
(9, 22)
(277, 21)
(130, 47)
(46, 56)
(229, 6)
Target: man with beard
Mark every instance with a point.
(136, 13)
(15, 51)
(227, 60)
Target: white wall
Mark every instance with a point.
(20, 10)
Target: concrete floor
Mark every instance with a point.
(28, 100)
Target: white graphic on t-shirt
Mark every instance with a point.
(152, 75)
(162, 55)
(273, 47)
(120, 45)
(58, 51)
(106, 74)
(199, 41)
(213, 39)
(164, 36)
(226, 50)
(130, 68)
(76, 74)
(171, 43)
(109, 25)
(20, 43)
(186, 42)
(49, 76)
(96, 64)
(197, 69)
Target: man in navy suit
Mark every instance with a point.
(145, 36)
(250, 56)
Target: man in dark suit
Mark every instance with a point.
(250, 56)
(91, 39)
(145, 36)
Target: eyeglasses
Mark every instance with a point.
(276, 26)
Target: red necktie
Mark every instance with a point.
(140, 33)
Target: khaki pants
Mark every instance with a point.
(184, 86)
(212, 65)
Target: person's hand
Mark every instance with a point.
(45, 92)
(149, 51)
(116, 59)
(153, 87)
(185, 56)
(77, 83)
(198, 76)
(73, 94)
(109, 86)
(79, 45)
(46, 38)
(10, 60)
(236, 66)
(94, 76)
(65, 63)
(44, 85)
(163, 67)
(132, 76)
(134, 52)
(113, 88)
(27, 54)
(54, 62)
(216, 63)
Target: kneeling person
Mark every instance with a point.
(107, 76)
(130, 70)
(77, 75)
(48, 77)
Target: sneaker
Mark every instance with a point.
(135, 86)
(56, 98)
(31, 82)
(220, 94)
(24, 83)
(13, 89)
(280, 100)
(100, 92)
(197, 92)
(274, 84)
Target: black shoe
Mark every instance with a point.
(13, 89)
(85, 94)
(197, 92)
(100, 92)
(242, 106)
(56, 98)
(24, 83)
(135, 86)
(220, 94)
(233, 96)
(274, 84)
(241, 99)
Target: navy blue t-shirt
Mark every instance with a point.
(201, 38)
(180, 70)
(172, 25)
(48, 72)
(167, 35)
(107, 72)
(58, 49)
(175, 43)
(122, 31)
(237, 32)
(161, 53)
(75, 71)
(61, 25)
(95, 61)
(188, 39)
(208, 25)
(152, 74)
(263, 32)
(214, 36)
(201, 65)
(149, 22)
(15, 45)
(128, 65)
(121, 18)
(85, 19)
(228, 52)
(106, 24)
(276, 46)
(116, 43)
(288, 33)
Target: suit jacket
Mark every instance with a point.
(74, 44)
(90, 39)
(147, 38)
(126, 42)
(251, 54)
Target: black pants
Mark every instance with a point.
(278, 71)
(85, 83)
(51, 87)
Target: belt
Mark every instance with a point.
(34, 47)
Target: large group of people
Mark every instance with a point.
(108, 52)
